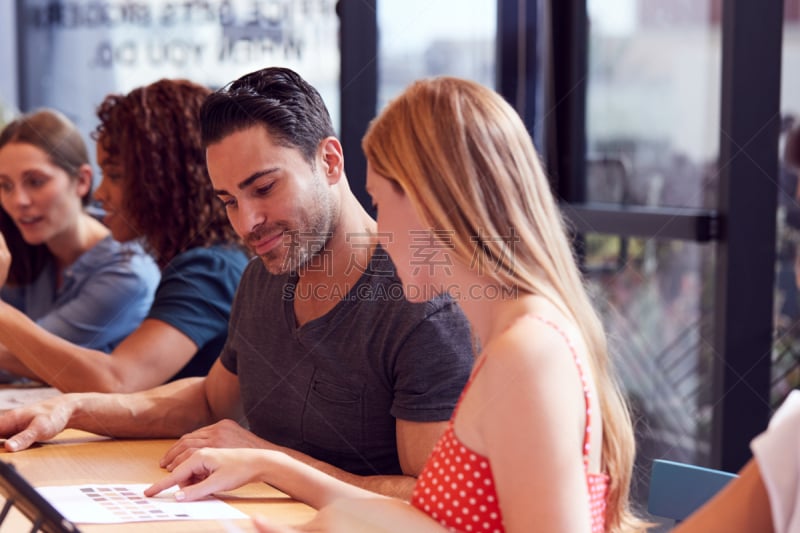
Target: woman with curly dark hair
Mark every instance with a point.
(155, 188)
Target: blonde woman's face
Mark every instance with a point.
(421, 260)
(41, 198)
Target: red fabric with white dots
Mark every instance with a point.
(457, 489)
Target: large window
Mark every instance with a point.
(414, 43)
(653, 102)
(71, 54)
(652, 119)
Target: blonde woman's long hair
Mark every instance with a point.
(468, 164)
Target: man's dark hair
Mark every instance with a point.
(278, 99)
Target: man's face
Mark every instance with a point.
(281, 207)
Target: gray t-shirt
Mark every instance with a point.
(334, 387)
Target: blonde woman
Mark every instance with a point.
(541, 437)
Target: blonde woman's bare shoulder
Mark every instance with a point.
(534, 342)
(528, 369)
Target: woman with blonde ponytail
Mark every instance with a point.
(541, 439)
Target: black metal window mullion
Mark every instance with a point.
(748, 169)
(517, 56)
(21, 66)
(358, 83)
(565, 99)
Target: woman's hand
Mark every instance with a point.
(211, 470)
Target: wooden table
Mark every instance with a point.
(75, 457)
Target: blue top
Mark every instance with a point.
(104, 296)
(195, 296)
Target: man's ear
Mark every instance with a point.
(84, 180)
(331, 159)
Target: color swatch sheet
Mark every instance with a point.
(118, 503)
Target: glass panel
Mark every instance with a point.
(653, 98)
(77, 52)
(786, 348)
(653, 101)
(655, 298)
(413, 42)
(8, 62)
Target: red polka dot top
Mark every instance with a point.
(456, 486)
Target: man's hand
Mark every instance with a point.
(36, 423)
(223, 434)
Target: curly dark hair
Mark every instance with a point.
(153, 134)
(55, 135)
(274, 97)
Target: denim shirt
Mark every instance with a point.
(105, 295)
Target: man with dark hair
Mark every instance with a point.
(325, 359)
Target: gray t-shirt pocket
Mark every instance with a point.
(333, 418)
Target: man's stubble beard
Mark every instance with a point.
(318, 228)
